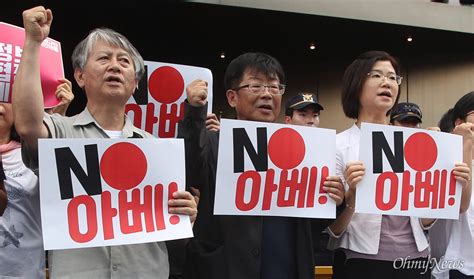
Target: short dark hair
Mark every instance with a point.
(407, 121)
(289, 111)
(446, 123)
(355, 77)
(257, 61)
(463, 106)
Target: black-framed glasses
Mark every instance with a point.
(257, 88)
(379, 76)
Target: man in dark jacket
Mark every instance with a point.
(235, 247)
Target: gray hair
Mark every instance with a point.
(82, 50)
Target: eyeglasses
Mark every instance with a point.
(379, 76)
(256, 88)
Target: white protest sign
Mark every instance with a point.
(101, 192)
(158, 104)
(272, 169)
(408, 172)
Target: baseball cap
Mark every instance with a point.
(404, 111)
(302, 100)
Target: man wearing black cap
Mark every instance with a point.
(303, 109)
(406, 115)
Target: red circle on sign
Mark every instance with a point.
(323, 199)
(421, 151)
(451, 201)
(123, 166)
(286, 148)
(166, 85)
(174, 219)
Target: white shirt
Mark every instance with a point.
(21, 242)
(113, 134)
(452, 243)
(362, 235)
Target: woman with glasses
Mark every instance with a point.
(452, 241)
(371, 243)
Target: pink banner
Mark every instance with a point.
(12, 39)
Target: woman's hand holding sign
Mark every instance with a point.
(462, 173)
(333, 186)
(65, 95)
(353, 175)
